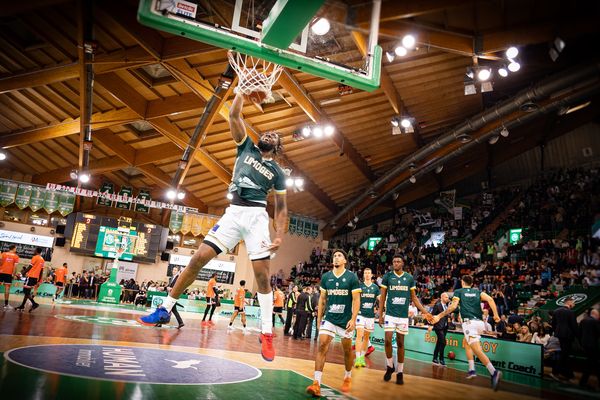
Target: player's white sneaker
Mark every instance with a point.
(230, 328)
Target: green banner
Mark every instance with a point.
(106, 187)
(292, 226)
(582, 297)
(299, 226)
(38, 195)
(176, 221)
(23, 196)
(126, 192)
(66, 203)
(143, 195)
(307, 228)
(315, 230)
(8, 191)
(51, 201)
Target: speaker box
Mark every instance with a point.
(60, 229)
(60, 242)
(164, 256)
(170, 245)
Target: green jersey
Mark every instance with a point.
(339, 296)
(398, 293)
(254, 176)
(368, 296)
(469, 303)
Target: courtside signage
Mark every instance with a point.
(26, 238)
(132, 364)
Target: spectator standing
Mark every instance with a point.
(589, 333)
(564, 325)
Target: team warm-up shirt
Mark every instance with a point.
(398, 293)
(38, 263)
(469, 303)
(210, 291)
(8, 262)
(368, 296)
(240, 295)
(278, 299)
(60, 273)
(253, 176)
(339, 296)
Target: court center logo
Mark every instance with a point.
(132, 364)
(577, 298)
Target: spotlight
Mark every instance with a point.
(2, 156)
(503, 72)
(373, 194)
(514, 66)
(484, 74)
(400, 51)
(317, 131)
(306, 131)
(229, 196)
(84, 177)
(321, 27)
(494, 139)
(299, 182)
(408, 41)
(355, 219)
(289, 182)
(390, 56)
(334, 226)
(171, 194)
(464, 138)
(181, 195)
(470, 73)
(350, 224)
(405, 123)
(559, 44)
(395, 122)
(512, 52)
(329, 130)
(73, 174)
(439, 169)
(504, 132)
(413, 179)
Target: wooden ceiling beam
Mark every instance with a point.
(123, 92)
(61, 175)
(111, 140)
(393, 10)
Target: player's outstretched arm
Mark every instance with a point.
(415, 299)
(487, 298)
(236, 123)
(449, 310)
(281, 215)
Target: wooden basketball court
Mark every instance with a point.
(49, 372)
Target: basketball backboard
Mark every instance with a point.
(278, 31)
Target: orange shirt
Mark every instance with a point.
(240, 295)
(38, 263)
(278, 299)
(210, 292)
(60, 274)
(8, 259)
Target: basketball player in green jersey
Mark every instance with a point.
(469, 300)
(397, 290)
(255, 174)
(340, 296)
(365, 322)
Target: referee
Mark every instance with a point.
(441, 329)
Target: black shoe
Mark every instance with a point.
(442, 363)
(399, 378)
(181, 325)
(20, 308)
(435, 361)
(388, 374)
(33, 307)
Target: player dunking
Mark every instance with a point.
(239, 303)
(8, 261)
(254, 175)
(397, 290)
(469, 300)
(365, 322)
(340, 293)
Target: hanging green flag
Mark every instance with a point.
(8, 191)
(38, 195)
(66, 203)
(292, 227)
(307, 228)
(51, 201)
(176, 221)
(300, 226)
(23, 196)
(127, 193)
(143, 195)
(315, 230)
(106, 187)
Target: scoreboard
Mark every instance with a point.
(100, 236)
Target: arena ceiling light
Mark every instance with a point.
(84, 177)
(503, 72)
(409, 41)
(289, 182)
(512, 52)
(484, 74)
(2, 156)
(306, 131)
(406, 123)
(317, 131)
(494, 139)
(390, 55)
(329, 130)
(229, 196)
(321, 27)
(413, 179)
(171, 194)
(504, 132)
(439, 169)
(400, 51)
(514, 66)
(180, 195)
(395, 122)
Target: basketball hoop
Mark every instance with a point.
(256, 77)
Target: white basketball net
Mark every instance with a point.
(254, 74)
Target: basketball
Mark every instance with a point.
(258, 96)
(451, 355)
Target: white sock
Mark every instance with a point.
(348, 374)
(491, 368)
(400, 367)
(318, 375)
(471, 365)
(390, 362)
(266, 310)
(169, 303)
